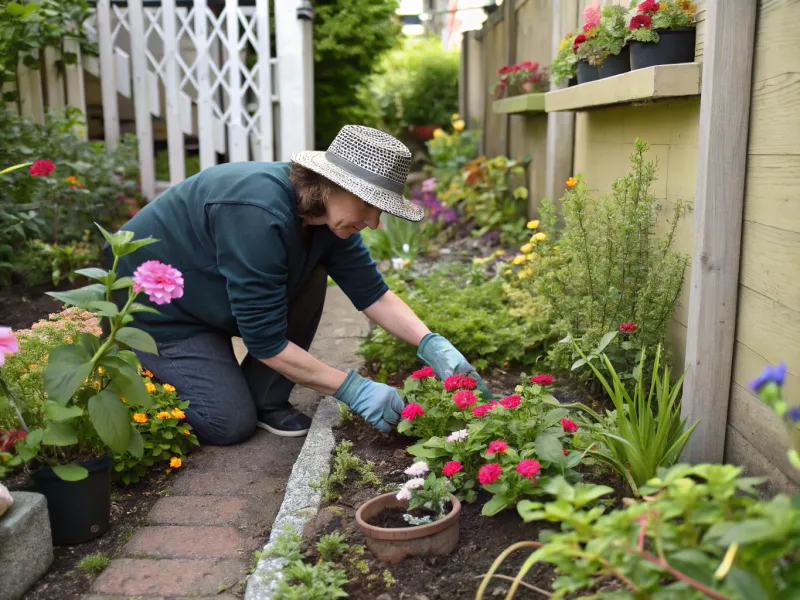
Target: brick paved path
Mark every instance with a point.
(199, 540)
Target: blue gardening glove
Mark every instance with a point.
(379, 404)
(441, 356)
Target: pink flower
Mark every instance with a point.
(162, 283)
(542, 380)
(640, 21)
(41, 168)
(451, 468)
(8, 343)
(480, 410)
(497, 447)
(629, 327)
(8, 439)
(569, 426)
(489, 473)
(591, 14)
(411, 411)
(511, 401)
(528, 468)
(429, 185)
(459, 382)
(464, 398)
(133, 212)
(423, 373)
(648, 6)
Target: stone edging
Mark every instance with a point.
(301, 501)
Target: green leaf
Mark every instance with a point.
(93, 273)
(586, 493)
(404, 425)
(137, 339)
(136, 445)
(559, 488)
(530, 511)
(605, 341)
(496, 505)
(57, 413)
(122, 283)
(128, 247)
(747, 532)
(67, 368)
(103, 308)
(89, 342)
(71, 472)
(126, 382)
(59, 434)
(578, 363)
(421, 451)
(82, 297)
(137, 307)
(111, 420)
(548, 447)
(746, 585)
(115, 239)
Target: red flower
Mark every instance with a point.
(464, 398)
(42, 168)
(648, 6)
(528, 468)
(504, 70)
(569, 426)
(451, 468)
(579, 39)
(133, 212)
(423, 373)
(489, 473)
(8, 439)
(516, 68)
(640, 21)
(459, 382)
(411, 411)
(588, 27)
(480, 410)
(628, 327)
(542, 379)
(565, 451)
(530, 65)
(497, 446)
(511, 401)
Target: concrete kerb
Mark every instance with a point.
(301, 501)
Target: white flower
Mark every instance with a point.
(404, 494)
(417, 469)
(397, 263)
(415, 484)
(406, 248)
(457, 436)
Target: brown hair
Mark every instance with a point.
(312, 190)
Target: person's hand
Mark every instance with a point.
(441, 356)
(379, 404)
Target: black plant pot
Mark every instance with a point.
(673, 46)
(616, 64)
(79, 510)
(587, 72)
(572, 82)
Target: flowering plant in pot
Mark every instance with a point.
(90, 384)
(662, 33)
(525, 78)
(564, 65)
(604, 46)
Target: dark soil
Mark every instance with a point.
(21, 307)
(393, 517)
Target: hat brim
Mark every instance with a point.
(390, 202)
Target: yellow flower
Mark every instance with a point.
(527, 248)
(163, 415)
(531, 256)
(563, 43)
(178, 413)
(525, 273)
(146, 373)
(32, 367)
(455, 117)
(175, 462)
(100, 370)
(123, 400)
(150, 387)
(169, 388)
(438, 134)
(458, 125)
(556, 247)
(140, 417)
(499, 252)
(519, 259)
(572, 182)
(507, 272)
(540, 236)
(533, 224)
(186, 432)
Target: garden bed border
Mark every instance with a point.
(300, 501)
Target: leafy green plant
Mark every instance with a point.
(332, 546)
(344, 466)
(565, 64)
(94, 563)
(432, 498)
(450, 152)
(43, 262)
(769, 385)
(606, 38)
(396, 238)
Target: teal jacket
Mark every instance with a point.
(234, 232)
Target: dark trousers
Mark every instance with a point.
(225, 398)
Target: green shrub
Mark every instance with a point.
(396, 238)
(332, 546)
(450, 152)
(44, 263)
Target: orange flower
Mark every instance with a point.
(163, 415)
(73, 180)
(186, 432)
(169, 388)
(140, 417)
(572, 182)
(150, 387)
(175, 462)
(178, 413)
(146, 373)
(123, 399)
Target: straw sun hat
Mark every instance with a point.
(369, 163)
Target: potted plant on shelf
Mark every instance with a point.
(662, 33)
(90, 384)
(564, 66)
(420, 519)
(604, 45)
(525, 78)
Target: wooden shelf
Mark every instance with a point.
(642, 85)
(527, 103)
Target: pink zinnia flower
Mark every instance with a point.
(528, 468)
(542, 380)
(489, 473)
(162, 283)
(459, 382)
(423, 373)
(591, 14)
(411, 411)
(480, 410)
(451, 468)
(41, 168)
(569, 426)
(464, 398)
(8, 343)
(511, 401)
(497, 447)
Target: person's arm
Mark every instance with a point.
(396, 317)
(299, 366)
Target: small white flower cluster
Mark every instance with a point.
(457, 436)
(417, 470)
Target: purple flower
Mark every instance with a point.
(429, 184)
(769, 374)
(491, 237)
(793, 414)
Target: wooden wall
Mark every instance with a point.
(768, 321)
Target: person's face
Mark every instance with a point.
(347, 214)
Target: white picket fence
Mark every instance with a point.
(203, 66)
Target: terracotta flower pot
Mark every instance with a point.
(394, 544)
(422, 132)
(527, 87)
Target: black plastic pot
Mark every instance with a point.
(572, 82)
(587, 72)
(616, 64)
(673, 46)
(79, 510)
